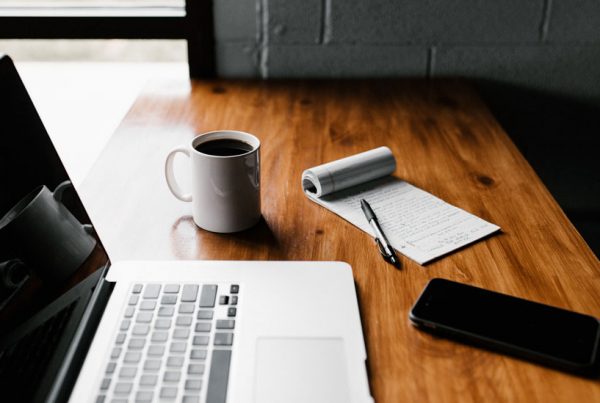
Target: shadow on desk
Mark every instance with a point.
(258, 236)
(559, 136)
(188, 242)
(442, 349)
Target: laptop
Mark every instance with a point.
(77, 327)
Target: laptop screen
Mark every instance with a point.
(47, 245)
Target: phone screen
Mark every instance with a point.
(506, 321)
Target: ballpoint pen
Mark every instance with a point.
(387, 251)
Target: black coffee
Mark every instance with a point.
(224, 147)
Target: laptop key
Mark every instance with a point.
(234, 300)
(120, 338)
(152, 291)
(223, 339)
(141, 330)
(116, 352)
(110, 368)
(152, 365)
(205, 314)
(129, 311)
(178, 347)
(171, 289)
(137, 289)
(136, 344)
(148, 305)
(132, 357)
(162, 324)
(166, 311)
(133, 300)
(225, 324)
(191, 399)
(198, 354)
(195, 369)
(175, 361)
(190, 292)
(105, 384)
(183, 320)
(127, 372)
(168, 392)
(148, 380)
(172, 376)
(143, 396)
(218, 378)
(208, 296)
(181, 333)
(203, 327)
(144, 317)
(100, 399)
(234, 289)
(160, 337)
(123, 388)
(223, 300)
(125, 325)
(186, 308)
(200, 341)
(231, 312)
(156, 350)
(193, 384)
(169, 299)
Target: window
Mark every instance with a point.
(128, 19)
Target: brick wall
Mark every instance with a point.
(551, 45)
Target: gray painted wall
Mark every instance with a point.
(551, 45)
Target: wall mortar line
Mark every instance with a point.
(263, 44)
(431, 53)
(545, 24)
(321, 37)
(326, 27)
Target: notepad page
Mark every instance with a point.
(418, 225)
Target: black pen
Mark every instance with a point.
(382, 243)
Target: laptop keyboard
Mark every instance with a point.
(173, 344)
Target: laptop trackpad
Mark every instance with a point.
(301, 370)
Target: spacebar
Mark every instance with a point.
(219, 375)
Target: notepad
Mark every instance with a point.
(418, 225)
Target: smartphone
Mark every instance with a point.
(542, 333)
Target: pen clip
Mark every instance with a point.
(382, 249)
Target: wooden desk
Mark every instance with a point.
(445, 141)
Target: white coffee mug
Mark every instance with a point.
(225, 192)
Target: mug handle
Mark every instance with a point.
(60, 189)
(170, 176)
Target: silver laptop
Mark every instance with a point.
(75, 327)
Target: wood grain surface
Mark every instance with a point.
(445, 141)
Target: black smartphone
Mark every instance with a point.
(538, 332)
